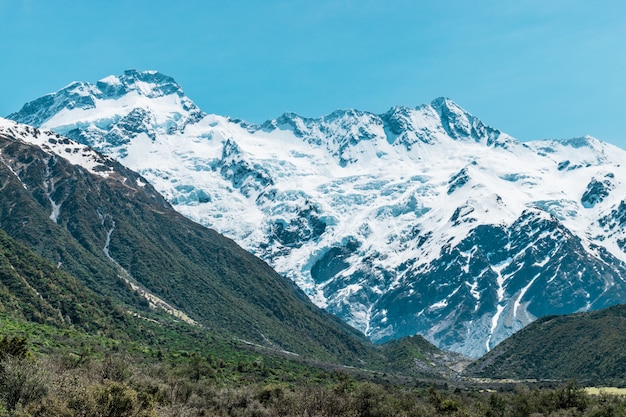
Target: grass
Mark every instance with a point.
(605, 390)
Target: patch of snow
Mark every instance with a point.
(56, 209)
(523, 291)
(494, 324)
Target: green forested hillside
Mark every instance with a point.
(588, 347)
(35, 290)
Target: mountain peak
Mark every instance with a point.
(445, 102)
(583, 141)
(85, 96)
(578, 152)
(459, 124)
(133, 103)
(150, 84)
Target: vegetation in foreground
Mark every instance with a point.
(121, 383)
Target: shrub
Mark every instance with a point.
(118, 400)
(21, 382)
(16, 347)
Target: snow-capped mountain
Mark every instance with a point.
(420, 220)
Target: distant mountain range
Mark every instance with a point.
(416, 221)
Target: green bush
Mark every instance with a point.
(16, 347)
(115, 399)
(22, 382)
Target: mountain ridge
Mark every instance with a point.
(361, 210)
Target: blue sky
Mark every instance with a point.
(534, 69)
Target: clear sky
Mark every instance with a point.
(533, 68)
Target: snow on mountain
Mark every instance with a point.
(53, 143)
(420, 220)
(115, 110)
